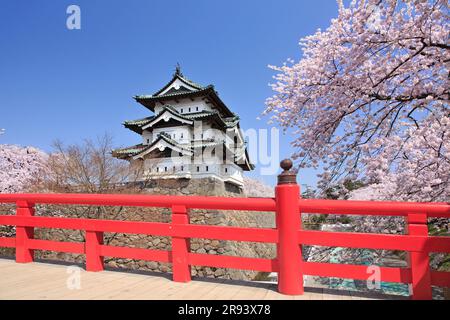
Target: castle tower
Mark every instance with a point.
(192, 134)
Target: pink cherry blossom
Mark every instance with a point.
(19, 166)
(369, 100)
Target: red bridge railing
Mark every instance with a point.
(288, 235)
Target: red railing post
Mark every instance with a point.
(180, 247)
(23, 234)
(419, 261)
(288, 220)
(94, 260)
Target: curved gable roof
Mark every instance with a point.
(164, 142)
(167, 114)
(179, 76)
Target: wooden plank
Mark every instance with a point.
(47, 281)
(163, 201)
(222, 261)
(440, 278)
(272, 294)
(135, 253)
(197, 289)
(375, 241)
(58, 246)
(139, 290)
(89, 282)
(253, 291)
(149, 228)
(7, 242)
(349, 271)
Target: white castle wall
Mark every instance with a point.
(186, 106)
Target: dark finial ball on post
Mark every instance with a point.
(286, 164)
(287, 177)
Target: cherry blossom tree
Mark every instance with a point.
(369, 100)
(256, 188)
(19, 167)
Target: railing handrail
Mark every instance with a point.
(342, 207)
(139, 200)
(374, 208)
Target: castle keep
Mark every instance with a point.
(192, 134)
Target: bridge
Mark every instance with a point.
(23, 279)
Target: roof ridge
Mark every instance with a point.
(138, 120)
(182, 78)
(190, 82)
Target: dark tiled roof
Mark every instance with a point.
(179, 76)
(132, 151)
(136, 125)
(128, 152)
(208, 91)
(174, 94)
(228, 122)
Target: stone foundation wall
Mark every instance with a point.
(209, 187)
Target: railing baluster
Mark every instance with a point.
(419, 261)
(288, 221)
(94, 261)
(180, 247)
(23, 234)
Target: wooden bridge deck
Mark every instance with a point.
(49, 281)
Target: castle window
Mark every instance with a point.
(207, 168)
(165, 169)
(198, 169)
(226, 170)
(173, 168)
(157, 169)
(189, 109)
(182, 136)
(148, 141)
(182, 168)
(181, 110)
(196, 108)
(180, 154)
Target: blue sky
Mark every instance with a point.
(65, 84)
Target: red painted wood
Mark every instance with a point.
(71, 247)
(129, 200)
(227, 233)
(135, 253)
(289, 255)
(440, 278)
(374, 241)
(7, 242)
(180, 247)
(150, 228)
(240, 263)
(419, 260)
(359, 272)
(373, 208)
(23, 234)
(94, 259)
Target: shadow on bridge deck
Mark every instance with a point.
(56, 280)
